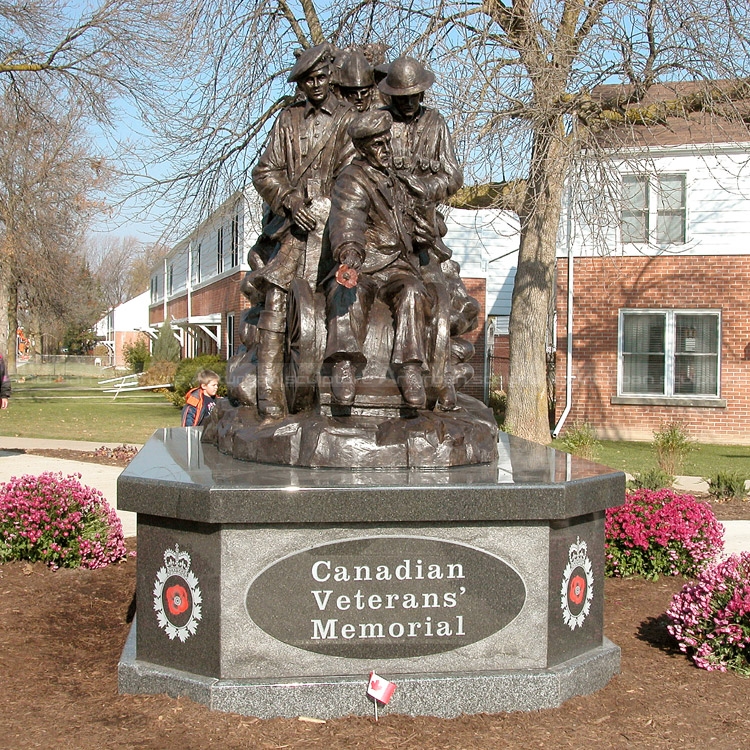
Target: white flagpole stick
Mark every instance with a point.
(376, 708)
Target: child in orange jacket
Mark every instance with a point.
(201, 400)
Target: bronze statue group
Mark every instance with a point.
(351, 177)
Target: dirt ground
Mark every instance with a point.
(62, 633)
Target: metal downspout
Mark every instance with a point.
(569, 358)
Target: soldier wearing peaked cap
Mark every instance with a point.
(306, 149)
(377, 248)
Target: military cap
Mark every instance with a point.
(309, 59)
(406, 76)
(369, 124)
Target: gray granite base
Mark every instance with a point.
(444, 696)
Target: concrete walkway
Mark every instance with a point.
(104, 478)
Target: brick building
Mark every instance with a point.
(661, 311)
(197, 288)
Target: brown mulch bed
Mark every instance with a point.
(116, 457)
(61, 635)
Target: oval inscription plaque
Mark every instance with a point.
(385, 597)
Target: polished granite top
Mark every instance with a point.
(177, 475)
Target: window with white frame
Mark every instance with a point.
(220, 250)
(654, 209)
(669, 353)
(230, 335)
(196, 262)
(170, 279)
(235, 241)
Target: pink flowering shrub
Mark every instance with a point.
(58, 521)
(660, 532)
(710, 617)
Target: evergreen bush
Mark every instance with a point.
(727, 485)
(166, 347)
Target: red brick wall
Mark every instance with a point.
(602, 286)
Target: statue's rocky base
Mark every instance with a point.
(274, 590)
(385, 439)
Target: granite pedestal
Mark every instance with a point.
(274, 590)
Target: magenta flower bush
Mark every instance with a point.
(710, 617)
(58, 521)
(660, 532)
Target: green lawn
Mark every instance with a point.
(80, 410)
(705, 461)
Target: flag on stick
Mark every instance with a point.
(380, 689)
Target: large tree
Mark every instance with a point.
(122, 266)
(65, 66)
(47, 180)
(517, 79)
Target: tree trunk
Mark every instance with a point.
(5, 337)
(528, 410)
(12, 327)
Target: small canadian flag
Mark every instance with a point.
(380, 689)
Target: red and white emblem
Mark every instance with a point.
(577, 585)
(177, 596)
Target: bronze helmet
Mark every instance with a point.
(355, 72)
(406, 76)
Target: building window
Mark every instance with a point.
(220, 250)
(154, 288)
(197, 263)
(230, 335)
(654, 209)
(170, 279)
(235, 242)
(669, 353)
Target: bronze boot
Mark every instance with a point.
(271, 396)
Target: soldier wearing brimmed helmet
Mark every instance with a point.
(425, 161)
(306, 149)
(423, 150)
(356, 80)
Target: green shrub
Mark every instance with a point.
(672, 445)
(188, 369)
(137, 355)
(497, 401)
(651, 479)
(166, 346)
(159, 373)
(727, 485)
(581, 440)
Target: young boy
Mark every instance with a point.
(201, 400)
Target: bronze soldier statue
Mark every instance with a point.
(307, 147)
(423, 152)
(378, 252)
(356, 80)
